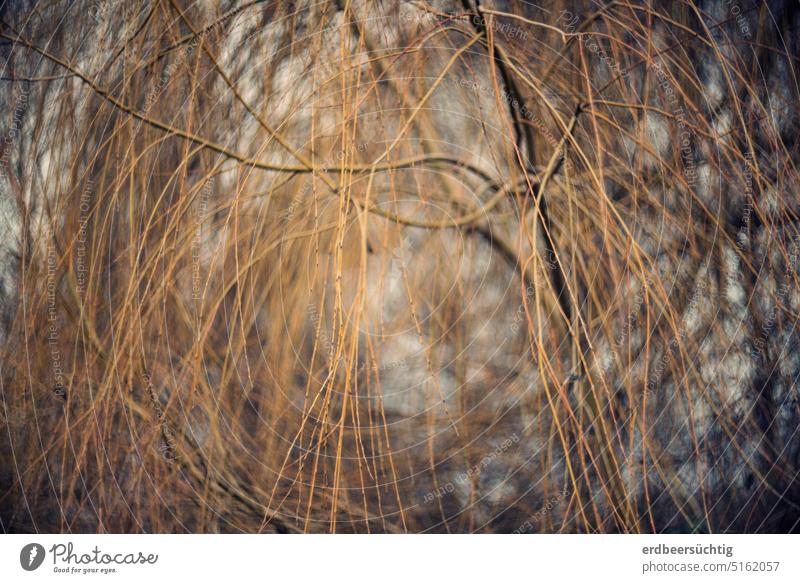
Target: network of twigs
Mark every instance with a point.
(203, 327)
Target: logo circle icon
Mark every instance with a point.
(31, 556)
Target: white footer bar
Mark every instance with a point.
(408, 558)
